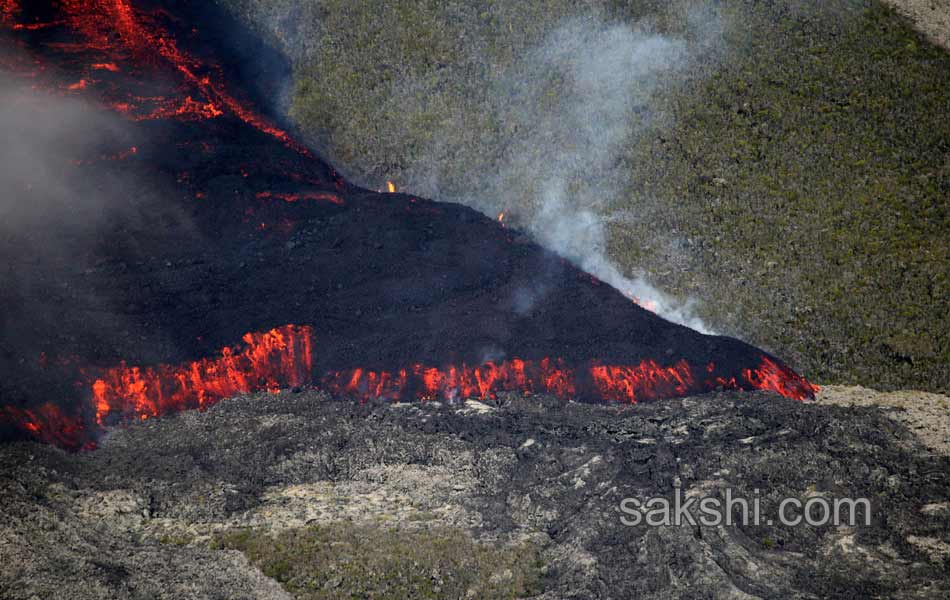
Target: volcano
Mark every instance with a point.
(240, 261)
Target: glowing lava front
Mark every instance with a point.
(277, 358)
(283, 357)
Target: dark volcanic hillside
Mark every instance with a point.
(192, 249)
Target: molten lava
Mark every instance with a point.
(121, 155)
(281, 357)
(297, 196)
(780, 379)
(9, 9)
(123, 35)
(47, 423)
(648, 380)
(604, 383)
(126, 57)
(421, 382)
(277, 358)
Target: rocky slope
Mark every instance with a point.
(520, 498)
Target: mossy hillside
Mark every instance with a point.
(796, 185)
(347, 560)
(810, 176)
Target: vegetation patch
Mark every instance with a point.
(807, 178)
(346, 560)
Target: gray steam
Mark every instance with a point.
(63, 186)
(540, 133)
(43, 136)
(570, 105)
(67, 168)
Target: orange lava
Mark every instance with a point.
(124, 154)
(781, 380)
(295, 197)
(277, 358)
(283, 357)
(646, 381)
(115, 37)
(115, 33)
(9, 9)
(419, 382)
(48, 423)
(187, 109)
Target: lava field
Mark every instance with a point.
(230, 258)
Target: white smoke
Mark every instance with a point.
(571, 105)
(57, 200)
(541, 137)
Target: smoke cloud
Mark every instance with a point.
(539, 132)
(44, 137)
(568, 106)
(69, 181)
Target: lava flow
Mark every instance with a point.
(298, 196)
(48, 423)
(225, 224)
(277, 358)
(606, 383)
(283, 357)
(421, 382)
(114, 33)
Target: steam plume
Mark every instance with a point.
(570, 105)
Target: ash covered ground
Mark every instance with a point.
(515, 499)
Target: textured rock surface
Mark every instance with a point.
(925, 414)
(139, 517)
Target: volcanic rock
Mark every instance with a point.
(145, 515)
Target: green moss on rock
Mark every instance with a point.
(347, 560)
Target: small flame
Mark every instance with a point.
(391, 187)
(110, 66)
